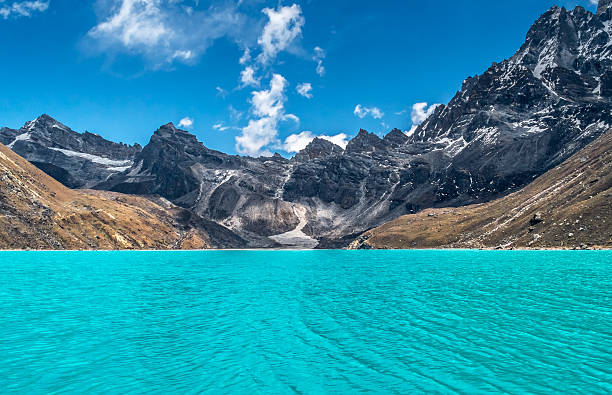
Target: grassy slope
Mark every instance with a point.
(574, 200)
(37, 212)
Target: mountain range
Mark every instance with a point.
(569, 206)
(504, 128)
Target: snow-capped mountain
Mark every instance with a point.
(77, 160)
(530, 112)
(505, 127)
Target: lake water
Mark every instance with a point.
(306, 322)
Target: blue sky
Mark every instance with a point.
(122, 68)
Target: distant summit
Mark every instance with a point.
(603, 6)
(77, 160)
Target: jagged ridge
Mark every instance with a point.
(568, 207)
(505, 127)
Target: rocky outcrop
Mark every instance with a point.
(316, 149)
(527, 114)
(568, 207)
(396, 138)
(76, 160)
(603, 6)
(242, 194)
(365, 142)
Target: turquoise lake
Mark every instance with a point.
(306, 322)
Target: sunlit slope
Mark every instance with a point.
(37, 212)
(569, 206)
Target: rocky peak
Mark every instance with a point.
(603, 6)
(395, 137)
(317, 148)
(365, 142)
(171, 141)
(44, 124)
(577, 41)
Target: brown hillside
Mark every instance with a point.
(568, 207)
(37, 212)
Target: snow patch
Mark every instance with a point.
(94, 158)
(21, 137)
(296, 237)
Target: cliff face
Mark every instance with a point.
(37, 212)
(603, 6)
(76, 160)
(568, 207)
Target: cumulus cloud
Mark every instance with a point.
(162, 31)
(363, 112)
(268, 105)
(18, 9)
(270, 102)
(421, 111)
(318, 58)
(247, 77)
(297, 142)
(256, 135)
(185, 123)
(284, 25)
(305, 89)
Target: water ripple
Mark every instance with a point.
(306, 322)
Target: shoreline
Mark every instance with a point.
(597, 248)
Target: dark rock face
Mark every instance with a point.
(505, 127)
(365, 142)
(238, 193)
(528, 113)
(604, 6)
(318, 148)
(76, 160)
(396, 138)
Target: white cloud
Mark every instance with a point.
(270, 103)
(412, 130)
(421, 111)
(297, 142)
(246, 57)
(247, 77)
(162, 31)
(284, 25)
(268, 106)
(185, 123)
(340, 139)
(220, 127)
(135, 23)
(305, 89)
(19, 9)
(221, 92)
(183, 55)
(318, 58)
(256, 135)
(291, 117)
(363, 112)
(235, 115)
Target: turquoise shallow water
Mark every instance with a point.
(306, 322)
